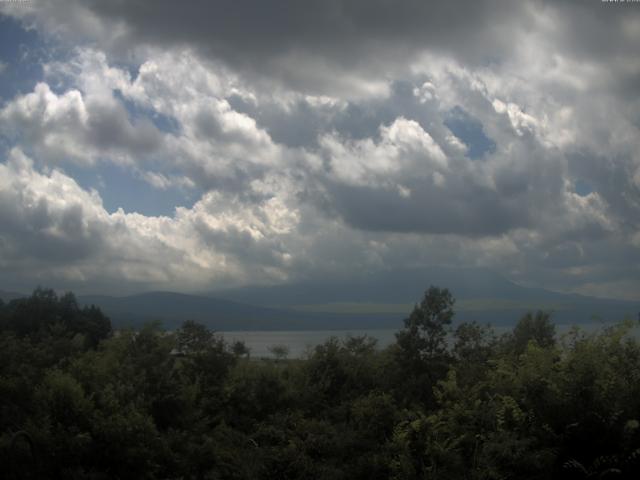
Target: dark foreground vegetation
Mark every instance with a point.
(78, 402)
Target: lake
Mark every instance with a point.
(299, 342)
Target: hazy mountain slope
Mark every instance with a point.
(395, 286)
(7, 296)
(482, 295)
(173, 308)
(380, 301)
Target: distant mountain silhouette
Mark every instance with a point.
(8, 296)
(171, 309)
(502, 301)
(394, 286)
(378, 301)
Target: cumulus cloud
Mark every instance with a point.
(216, 146)
(54, 229)
(334, 137)
(72, 127)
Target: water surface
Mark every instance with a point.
(300, 342)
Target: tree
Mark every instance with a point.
(96, 326)
(473, 346)
(206, 363)
(193, 338)
(280, 352)
(426, 328)
(240, 349)
(537, 328)
(420, 352)
(44, 315)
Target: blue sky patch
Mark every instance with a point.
(22, 52)
(164, 123)
(119, 187)
(469, 131)
(583, 188)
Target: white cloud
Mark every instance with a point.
(404, 150)
(52, 228)
(75, 127)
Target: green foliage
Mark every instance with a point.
(77, 402)
(44, 315)
(426, 328)
(421, 354)
(279, 351)
(533, 328)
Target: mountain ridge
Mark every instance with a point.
(376, 301)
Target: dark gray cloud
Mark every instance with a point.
(333, 27)
(109, 128)
(526, 192)
(464, 209)
(596, 31)
(304, 44)
(301, 44)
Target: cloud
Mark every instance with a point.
(297, 46)
(54, 229)
(338, 137)
(73, 127)
(215, 147)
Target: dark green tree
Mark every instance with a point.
(421, 356)
(473, 346)
(537, 328)
(194, 338)
(44, 315)
(426, 329)
(240, 349)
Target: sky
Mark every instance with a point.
(166, 145)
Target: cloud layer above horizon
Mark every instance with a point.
(196, 147)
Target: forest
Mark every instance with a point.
(447, 400)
